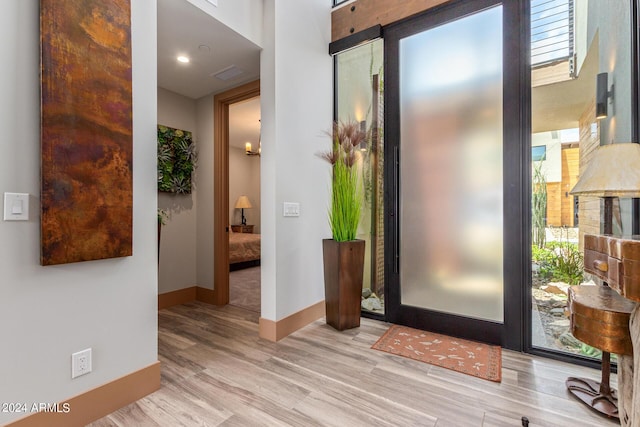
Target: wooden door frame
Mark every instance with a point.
(221, 104)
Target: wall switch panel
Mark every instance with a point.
(16, 206)
(291, 209)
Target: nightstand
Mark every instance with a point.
(242, 228)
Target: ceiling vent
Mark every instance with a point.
(228, 73)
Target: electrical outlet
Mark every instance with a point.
(80, 363)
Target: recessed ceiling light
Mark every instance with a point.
(183, 59)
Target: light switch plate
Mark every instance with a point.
(291, 209)
(16, 206)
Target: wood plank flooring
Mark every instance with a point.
(217, 372)
(244, 288)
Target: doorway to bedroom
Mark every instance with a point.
(244, 204)
(225, 213)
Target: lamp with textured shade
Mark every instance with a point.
(614, 171)
(243, 203)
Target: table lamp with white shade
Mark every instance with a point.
(243, 203)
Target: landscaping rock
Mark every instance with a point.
(569, 340)
(550, 301)
(373, 303)
(556, 288)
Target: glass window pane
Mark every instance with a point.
(359, 95)
(451, 256)
(564, 121)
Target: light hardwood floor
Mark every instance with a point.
(217, 372)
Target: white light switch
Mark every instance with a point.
(291, 209)
(16, 206)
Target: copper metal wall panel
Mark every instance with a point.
(86, 130)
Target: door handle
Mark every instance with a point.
(396, 204)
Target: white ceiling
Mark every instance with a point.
(184, 29)
(559, 105)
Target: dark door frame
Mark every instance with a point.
(516, 158)
(221, 104)
(635, 99)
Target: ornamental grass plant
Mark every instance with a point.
(346, 189)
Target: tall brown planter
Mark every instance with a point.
(343, 269)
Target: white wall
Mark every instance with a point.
(296, 107)
(204, 178)
(552, 166)
(243, 16)
(244, 179)
(612, 22)
(177, 269)
(580, 40)
(47, 313)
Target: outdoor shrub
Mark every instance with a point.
(540, 255)
(561, 262)
(587, 350)
(538, 206)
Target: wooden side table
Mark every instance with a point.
(600, 318)
(242, 228)
(608, 318)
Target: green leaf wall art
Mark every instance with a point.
(176, 160)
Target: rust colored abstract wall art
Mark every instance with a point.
(86, 130)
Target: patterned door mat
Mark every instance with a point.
(468, 357)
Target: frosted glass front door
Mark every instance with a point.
(451, 183)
